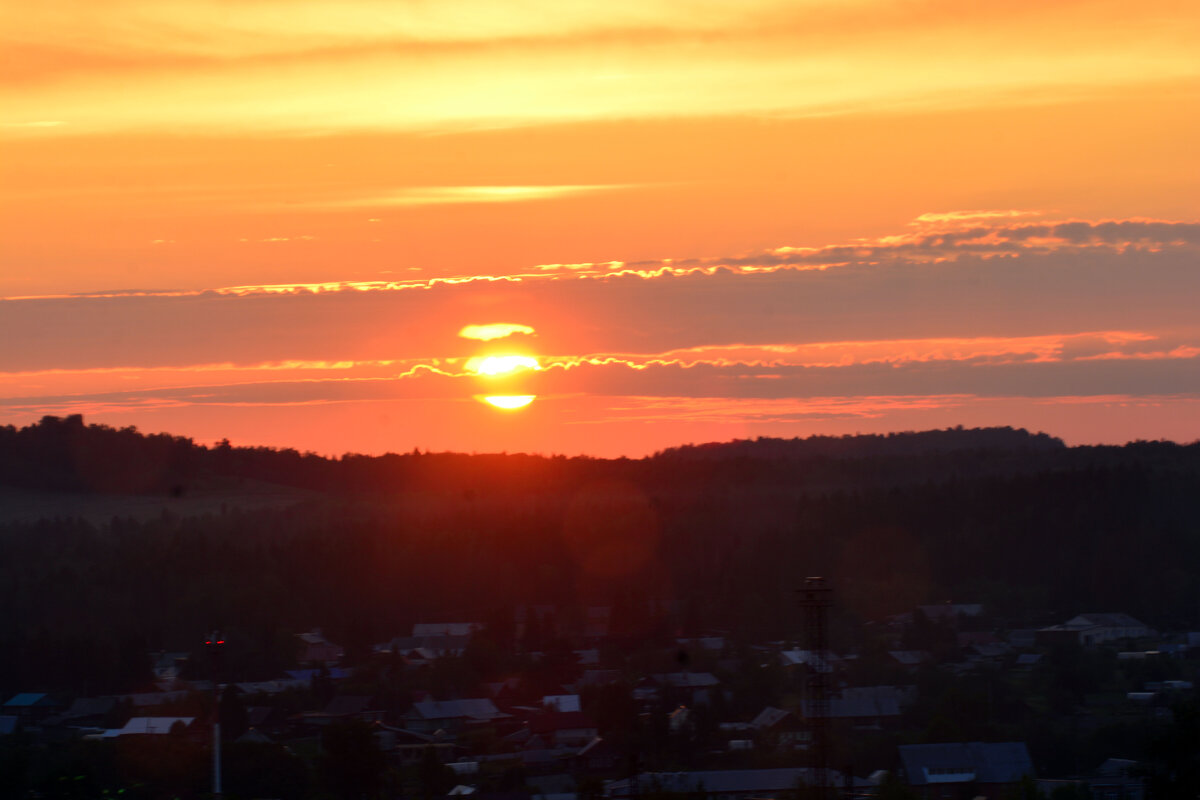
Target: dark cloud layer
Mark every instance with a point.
(1151, 286)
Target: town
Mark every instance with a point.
(944, 615)
(558, 709)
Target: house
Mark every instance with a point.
(31, 705)
(265, 719)
(824, 661)
(150, 726)
(352, 706)
(460, 629)
(950, 613)
(254, 736)
(599, 755)
(88, 712)
(1027, 661)
(411, 747)
(562, 702)
(425, 648)
(967, 639)
(588, 658)
(428, 716)
(1115, 778)
(167, 666)
(597, 677)
(564, 729)
(306, 676)
(865, 706)
(962, 770)
(909, 658)
(777, 728)
(1094, 629)
(727, 784)
(711, 643)
(316, 649)
(276, 686)
(691, 688)
(145, 700)
(1022, 638)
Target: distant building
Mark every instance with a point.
(31, 705)
(150, 726)
(467, 629)
(572, 729)
(725, 784)
(316, 649)
(562, 702)
(777, 729)
(690, 688)
(950, 612)
(909, 658)
(428, 716)
(1093, 629)
(964, 770)
(1115, 779)
(824, 661)
(865, 706)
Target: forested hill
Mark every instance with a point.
(65, 454)
(909, 443)
(701, 538)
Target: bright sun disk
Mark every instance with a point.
(510, 401)
(501, 365)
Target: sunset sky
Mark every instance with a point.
(310, 223)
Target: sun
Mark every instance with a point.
(509, 401)
(491, 366)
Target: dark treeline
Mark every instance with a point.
(64, 454)
(691, 540)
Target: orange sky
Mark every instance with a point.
(271, 220)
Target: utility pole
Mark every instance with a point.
(215, 644)
(815, 600)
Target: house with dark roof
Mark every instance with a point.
(31, 705)
(151, 726)
(350, 706)
(775, 728)
(691, 688)
(564, 728)
(458, 629)
(824, 661)
(599, 756)
(1115, 778)
(964, 770)
(863, 706)
(726, 784)
(316, 649)
(950, 613)
(428, 716)
(1094, 629)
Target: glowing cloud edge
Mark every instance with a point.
(494, 330)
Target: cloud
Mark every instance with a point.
(386, 66)
(971, 217)
(494, 330)
(460, 195)
(1060, 280)
(708, 385)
